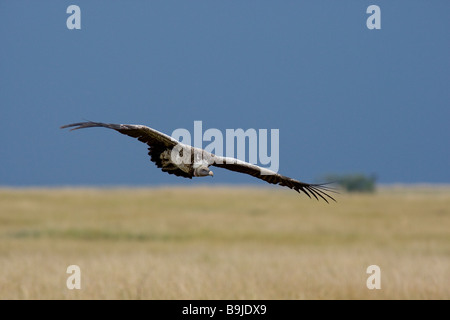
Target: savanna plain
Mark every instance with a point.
(224, 243)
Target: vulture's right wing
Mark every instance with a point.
(157, 142)
(144, 134)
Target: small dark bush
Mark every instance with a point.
(356, 182)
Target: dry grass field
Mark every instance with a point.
(223, 243)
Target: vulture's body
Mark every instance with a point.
(186, 161)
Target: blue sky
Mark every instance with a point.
(345, 98)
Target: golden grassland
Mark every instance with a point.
(223, 243)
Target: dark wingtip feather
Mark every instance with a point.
(79, 125)
(68, 126)
(322, 189)
(312, 192)
(303, 190)
(88, 124)
(320, 192)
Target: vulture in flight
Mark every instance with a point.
(186, 161)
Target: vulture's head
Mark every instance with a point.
(203, 171)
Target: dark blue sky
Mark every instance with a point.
(345, 98)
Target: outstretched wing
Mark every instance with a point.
(157, 141)
(142, 133)
(316, 190)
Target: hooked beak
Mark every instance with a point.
(211, 174)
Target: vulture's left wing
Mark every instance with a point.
(316, 190)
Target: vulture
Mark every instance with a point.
(186, 161)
